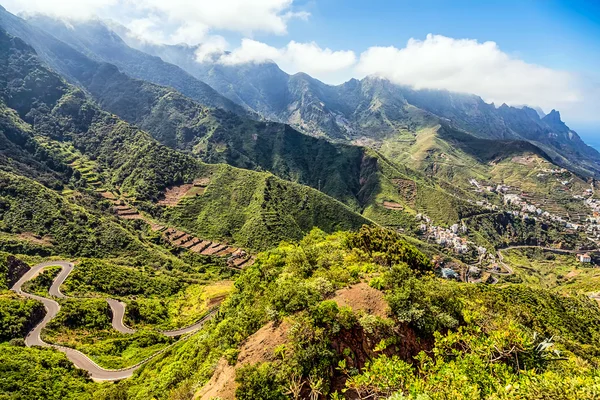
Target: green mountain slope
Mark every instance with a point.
(113, 50)
(29, 210)
(262, 210)
(218, 136)
(302, 311)
(375, 108)
(131, 162)
(365, 180)
(20, 153)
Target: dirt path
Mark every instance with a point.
(79, 359)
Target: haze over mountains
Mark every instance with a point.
(372, 108)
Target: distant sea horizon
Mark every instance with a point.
(595, 143)
(590, 135)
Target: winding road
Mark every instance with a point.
(79, 359)
(118, 312)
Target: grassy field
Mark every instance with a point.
(552, 271)
(177, 311)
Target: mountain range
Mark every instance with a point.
(372, 108)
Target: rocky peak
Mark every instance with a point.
(553, 121)
(553, 116)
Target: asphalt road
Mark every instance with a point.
(33, 338)
(118, 312)
(185, 330)
(79, 359)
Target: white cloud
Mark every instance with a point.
(77, 9)
(325, 64)
(251, 51)
(174, 21)
(465, 65)
(212, 46)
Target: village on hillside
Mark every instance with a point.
(521, 204)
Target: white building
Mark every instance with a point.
(584, 258)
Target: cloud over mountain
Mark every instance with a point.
(466, 65)
(175, 20)
(436, 62)
(294, 57)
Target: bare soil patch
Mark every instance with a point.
(524, 160)
(216, 248)
(221, 385)
(259, 347)
(131, 216)
(108, 195)
(572, 274)
(174, 194)
(30, 237)
(390, 205)
(362, 298)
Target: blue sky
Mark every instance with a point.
(562, 35)
(534, 52)
(558, 34)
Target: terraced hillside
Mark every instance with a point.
(31, 212)
(215, 136)
(107, 154)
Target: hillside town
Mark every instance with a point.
(527, 206)
(448, 237)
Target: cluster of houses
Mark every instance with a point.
(526, 210)
(447, 237)
(548, 171)
(592, 226)
(594, 205)
(520, 207)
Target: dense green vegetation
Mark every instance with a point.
(11, 269)
(560, 272)
(440, 339)
(502, 229)
(55, 109)
(41, 283)
(28, 207)
(36, 373)
(180, 310)
(262, 210)
(19, 153)
(94, 277)
(156, 298)
(17, 316)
